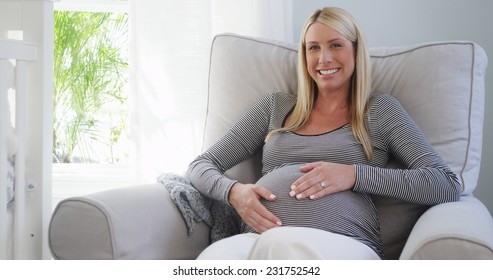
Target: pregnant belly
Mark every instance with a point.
(347, 212)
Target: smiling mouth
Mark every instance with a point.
(328, 72)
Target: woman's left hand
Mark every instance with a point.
(323, 178)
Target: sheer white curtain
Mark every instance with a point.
(169, 57)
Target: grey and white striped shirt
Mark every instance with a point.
(426, 178)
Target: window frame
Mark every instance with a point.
(92, 5)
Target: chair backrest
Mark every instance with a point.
(440, 84)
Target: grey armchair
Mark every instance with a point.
(440, 84)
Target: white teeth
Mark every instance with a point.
(328, 72)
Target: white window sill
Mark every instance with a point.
(74, 179)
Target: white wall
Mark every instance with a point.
(395, 23)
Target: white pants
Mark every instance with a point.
(295, 243)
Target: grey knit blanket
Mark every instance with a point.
(195, 208)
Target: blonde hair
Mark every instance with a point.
(360, 89)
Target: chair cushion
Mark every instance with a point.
(437, 83)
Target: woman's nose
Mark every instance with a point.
(325, 57)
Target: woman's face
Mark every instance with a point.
(330, 58)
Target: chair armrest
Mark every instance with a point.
(457, 230)
(138, 222)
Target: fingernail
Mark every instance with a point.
(279, 223)
(292, 193)
(272, 196)
(293, 187)
(312, 196)
(299, 196)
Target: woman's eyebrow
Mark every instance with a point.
(329, 41)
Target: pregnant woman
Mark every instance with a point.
(324, 154)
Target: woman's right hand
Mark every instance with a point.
(245, 198)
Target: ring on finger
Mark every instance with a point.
(323, 185)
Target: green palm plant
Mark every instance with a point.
(89, 76)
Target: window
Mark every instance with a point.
(90, 110)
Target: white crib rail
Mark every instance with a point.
(21, 52)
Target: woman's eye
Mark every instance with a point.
(311, 48)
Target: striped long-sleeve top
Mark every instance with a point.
(426, 178)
